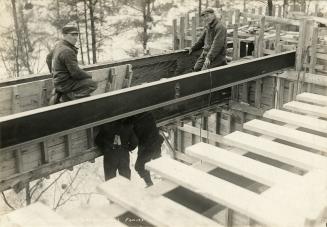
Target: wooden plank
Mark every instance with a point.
(272, 19)
(34, 215)
(291, 135)
(140, 202)
(306, 108)
(247, 167)
(225, 193)
(317, 79)
(284, 153)
(297, 119)
(311, 192)
(312, 98)
(195, 131)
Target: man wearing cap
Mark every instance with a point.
(213, 42)
(70, 81)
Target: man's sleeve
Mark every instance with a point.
(71, 63)
(218, 43)
(49, 60)
(199, 44)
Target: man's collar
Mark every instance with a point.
(65, 42)
(213, 23)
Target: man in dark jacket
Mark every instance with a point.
(70, 81)
(149, 143)
(116, 140)
(213, 42)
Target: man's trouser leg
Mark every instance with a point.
(123, 167)
(143, 158)
(110, 165)
(199, 63)
(83, 88)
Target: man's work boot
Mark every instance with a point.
(147, 179)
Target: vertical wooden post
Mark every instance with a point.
(258, 93)
(279, 93)
(299, 55)
(260, 11)
(230, 17)
(217, 4)
(277, 39)
(19, 160)
(279, 11)
(15, 99)
(180, 138)
(316, 10)
(245, 92)
(274, 10)
(229, 217)
(194, 25)
(45, 152)
(236, 42)
(245, 20)
(187, 21)
(182, 33)
(175, 40)
(313, 55)
(236, 49)
(69, 145)
(261, 37)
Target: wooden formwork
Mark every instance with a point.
(289, 173)
(274, 174)
(61, 151)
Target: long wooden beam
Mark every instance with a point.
(168, 97)
(139, 62)
(272, 19)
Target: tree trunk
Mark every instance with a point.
(285, 8)
(58, 16)
(17, 31)
(93, 35)
(27, 47)
(200, 5)
(86, 34)
(270, 7)
(79, 30)
(28, 194)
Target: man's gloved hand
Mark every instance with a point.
(189, 49)
(206, 64)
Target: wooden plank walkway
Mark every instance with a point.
(292, 199)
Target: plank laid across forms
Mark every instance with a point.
(297, 119)
(291, 135)
(35, 215)
(305, 108)
(164, 212)
(312, 98)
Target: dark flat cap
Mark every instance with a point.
(207, 11)
(69, 28)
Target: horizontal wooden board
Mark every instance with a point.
(247, 167)
(291, 135)
(34, 215)
(225, 193)
(306, 108)
(141, 202)
(297, 119)
(287, 154)
(313, 98)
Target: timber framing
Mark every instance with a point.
(171, 94)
